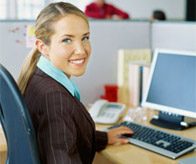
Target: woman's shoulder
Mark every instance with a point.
(41, 84)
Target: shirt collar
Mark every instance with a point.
(47, 67)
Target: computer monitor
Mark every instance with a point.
(171, 88)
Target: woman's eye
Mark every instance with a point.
(85, 38)
(67, 40)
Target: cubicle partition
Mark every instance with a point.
(174, 35)
(107, 37)
(13, 48)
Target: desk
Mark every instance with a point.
(130, 154)
(3, 147)
(124, 154)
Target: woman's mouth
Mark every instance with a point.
(77, 62)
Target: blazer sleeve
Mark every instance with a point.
(101, 140)
(57, 132)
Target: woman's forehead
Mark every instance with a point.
(70, 20)
(70, 24)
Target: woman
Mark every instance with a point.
(65, 131)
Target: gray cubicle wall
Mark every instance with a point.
(174, 35)
(107, 37)
(12, 45)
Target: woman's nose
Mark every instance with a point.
(79, 48)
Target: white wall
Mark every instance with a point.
(142, 9)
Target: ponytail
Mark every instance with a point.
(27, 69)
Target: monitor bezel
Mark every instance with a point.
(159, 107)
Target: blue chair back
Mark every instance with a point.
(16, 123)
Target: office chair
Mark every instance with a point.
(16, 123)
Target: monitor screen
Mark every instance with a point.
(171, 85)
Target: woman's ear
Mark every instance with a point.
(42, 47)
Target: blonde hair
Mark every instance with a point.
(43, 31)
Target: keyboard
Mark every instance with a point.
(161, 142)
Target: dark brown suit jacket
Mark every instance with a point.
(64, 129)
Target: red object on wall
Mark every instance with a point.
(110, 93)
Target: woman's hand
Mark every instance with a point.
(115, 132)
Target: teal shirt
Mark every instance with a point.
(47, 67)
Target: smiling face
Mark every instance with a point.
(69, 49)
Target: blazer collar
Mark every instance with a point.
(47, 67)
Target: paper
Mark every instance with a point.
(30, 36)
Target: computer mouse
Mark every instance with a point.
(125, 135)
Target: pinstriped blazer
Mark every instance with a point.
(64, 129)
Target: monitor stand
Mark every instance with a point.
(171, 121)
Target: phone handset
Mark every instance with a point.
(96, 107)
(106, 112)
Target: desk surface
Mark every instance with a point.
(3, 145)
(126, 154)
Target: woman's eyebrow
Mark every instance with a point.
(86, 33)
(70, 35)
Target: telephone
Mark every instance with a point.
(106, 112)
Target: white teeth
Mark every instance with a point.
(77, 61)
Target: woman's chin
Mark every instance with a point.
(77, 74)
